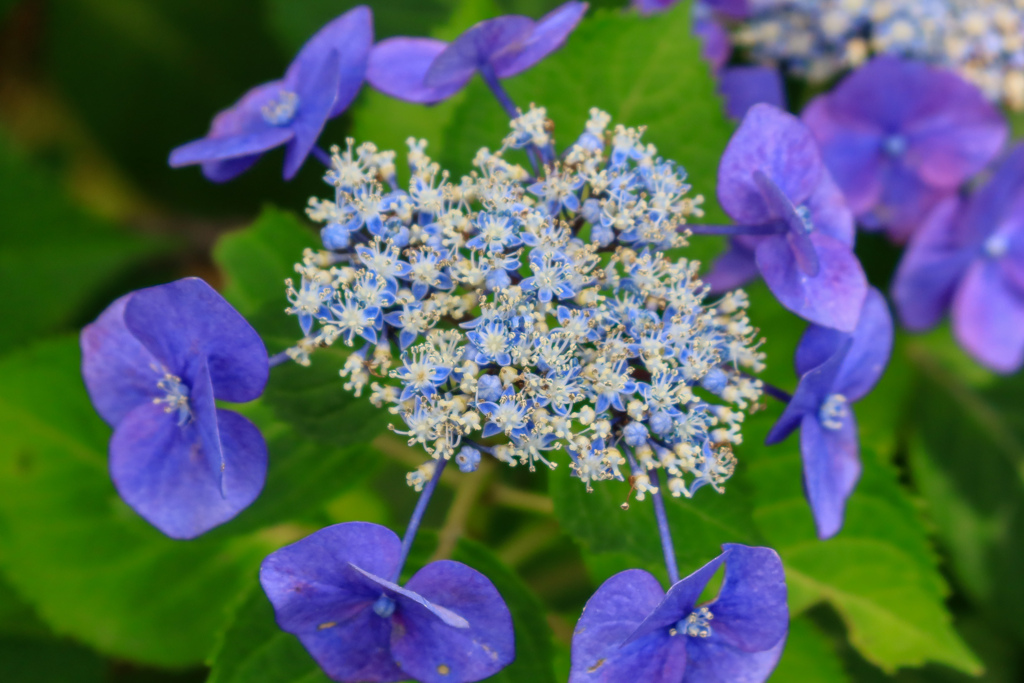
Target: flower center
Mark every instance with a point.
(281, 111)
(996, 246)
(696, 625)
(894, 145)
(805, 217)
(384, 607)
(175, 399)
(832, 412)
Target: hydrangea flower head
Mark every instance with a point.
(771, 178)
(980, 39)
(336, 591)
(896, 157)
(426, 70)
(320, 83)
(969, 256)
(835, 370)
(539, 313)
(631, 629)
(154, 363)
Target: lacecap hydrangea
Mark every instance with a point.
(515, 314)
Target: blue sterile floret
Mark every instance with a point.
(517, 316)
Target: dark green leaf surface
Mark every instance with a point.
(54, 257)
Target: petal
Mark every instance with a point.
(229, 169)
(119, 372)
(680, 600)
(549, 34)
(779, 145)
(830, 214)
(851, 150)
(181, 319)
(905, 202)
(866, 95)
(831, 469)
(311, 582)
(317, 91)
(744, 86)
(357, 648)
(930, 269)
(814, 386)
(398, 67)
(351, 37)
(750, 612)
(715, 46)
(991, 205)
(869, 351)
(448, 617)
(611, 615)
(207, 150)
(162, 471)
(434, 652)
(483, 42)
(732, 269)
(833, 298)
(988, 317)
(712, 660)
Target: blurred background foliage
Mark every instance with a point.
(923, 584)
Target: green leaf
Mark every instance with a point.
(254, 650)
(44, 660)
(644, 71)
(967, 460)
(257, 260)
(629, 538)
(89, 565)
(534, 651)
(808, 657)
(879, 573)
(55, 258)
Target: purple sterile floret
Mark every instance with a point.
(741, 87)
(969, 257)
(835, 370)
(335, 590)
(771, 177)
(631, 629)
(320, 83)
(154, 363)
(900, 135)
(425, 70)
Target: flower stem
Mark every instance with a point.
(279, 359)
(322, 156)
(417, 515)
(494, 83)
(666, 535)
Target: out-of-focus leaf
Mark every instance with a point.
(644, 71)
(292, 22)
(254, 650)
(534, 651)
(808, 657)
(54, 257)
(47, 660)
(255, 262)
(967, 460)
(90, 566)
(16, 615)
(145, 77)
